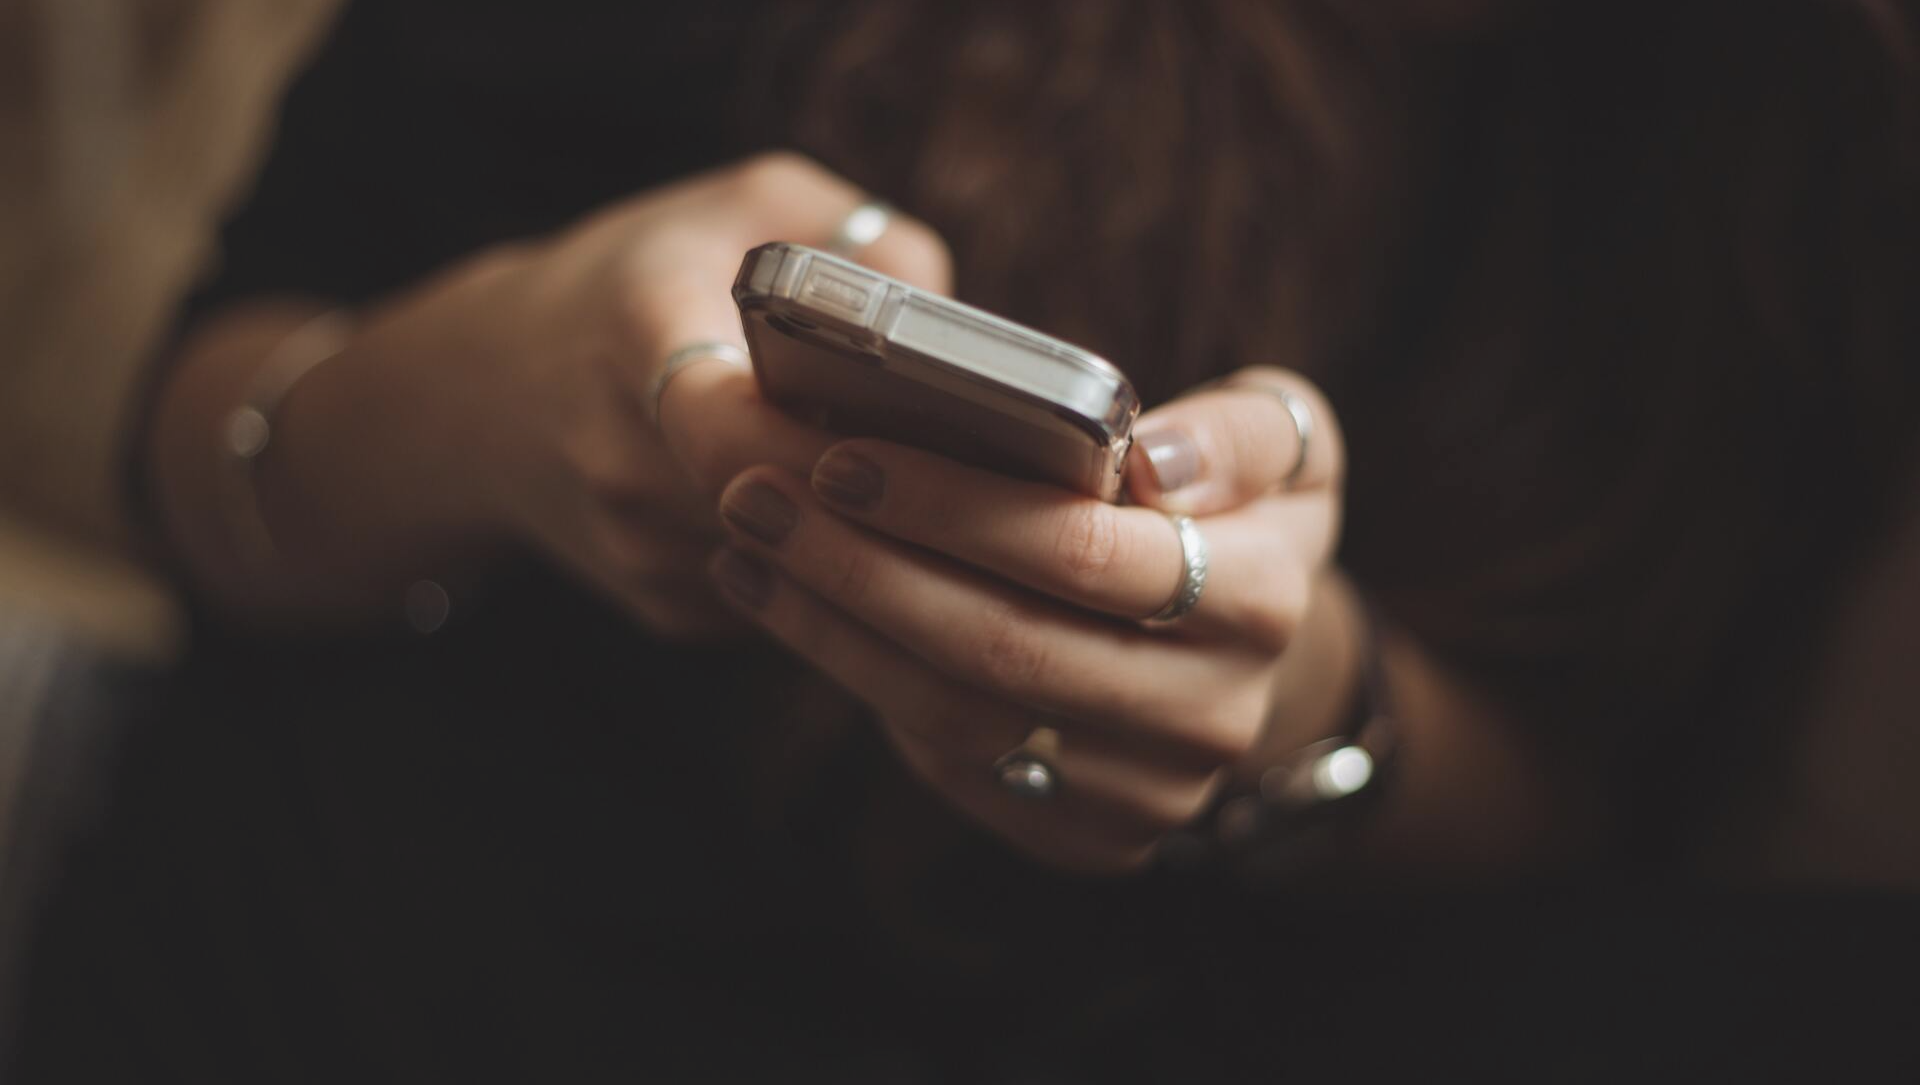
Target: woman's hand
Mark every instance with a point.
(969, 609)
(624, 500)
(511, 398)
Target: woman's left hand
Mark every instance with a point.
(969, 609)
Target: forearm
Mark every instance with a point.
(345, 521)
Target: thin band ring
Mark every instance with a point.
(686, 356)
(1193, 570)
(1303, 425)
(861, 228)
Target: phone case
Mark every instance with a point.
(852, 350)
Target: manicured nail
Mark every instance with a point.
(745, 580)
(761, 511)
(848, 479)
(1173, 456)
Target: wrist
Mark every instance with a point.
(327, 516)
(375, 488)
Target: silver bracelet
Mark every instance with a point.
(247, 431)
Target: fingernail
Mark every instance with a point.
(849, 480)
(761, 511)
(1173, 456)
(745, 580)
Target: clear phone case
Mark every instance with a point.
(863, 354)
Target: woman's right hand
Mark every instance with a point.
(511, 396)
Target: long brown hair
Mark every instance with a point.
(1617, 301)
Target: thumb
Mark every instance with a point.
(1259, 431)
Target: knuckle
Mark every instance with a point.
(633, 314)
(1227, 733)
(1327, 433)
(1089, 542)
(851, 579)
(1267, 374)
(921, 254)
(1269, 629)
(1010, 655)
(1247, 437)
(651, 311)
(1271, 623)
(770, 174)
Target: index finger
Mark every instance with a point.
(712, 416)
(1260, 430)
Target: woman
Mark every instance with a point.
(1496, 254)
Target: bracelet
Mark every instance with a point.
(1291, 819)
(247, 431)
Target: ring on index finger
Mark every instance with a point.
(688, 355)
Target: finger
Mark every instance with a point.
(682, 298)
(1209, 699)
(670, 257)
(1125, 562)
(1220, 448)
(783, 196)
(878, 672)
(1116, 798)
(715, 424)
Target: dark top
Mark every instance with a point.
(537, 845)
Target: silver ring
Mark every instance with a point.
(1303, 424)
(686, 356)
(1025, 770)
(1193, 570)
(862, 227)
(1302, 427)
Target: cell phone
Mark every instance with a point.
(851, 350)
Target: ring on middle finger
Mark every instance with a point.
(1193, 570)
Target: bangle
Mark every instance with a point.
(247, 431)
(1293, 818)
